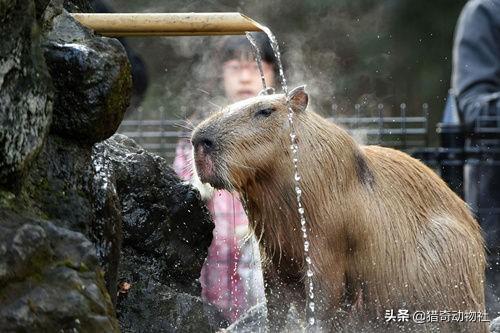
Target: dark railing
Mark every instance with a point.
(156, 135)
(400, 131)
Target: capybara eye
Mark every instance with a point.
(264, 112)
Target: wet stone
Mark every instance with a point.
(162, 217)
(77, 223)
(58, 184)
(166, 231)
(49, 279)
(25, 90)
(91, 77)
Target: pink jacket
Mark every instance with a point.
(221, 276)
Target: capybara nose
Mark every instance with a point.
(204, 142)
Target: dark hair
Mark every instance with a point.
(209, 74)
(238, 47)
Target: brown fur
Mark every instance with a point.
(385, 231)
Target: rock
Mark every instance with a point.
(58, 184)
(162, 217)
(495, 325)
(49, 279)
(92, 80)
(40, 10)
(70, 212)
(166, 234)
(64, 29)
(25, 90)
(155, 304)
(78, 6)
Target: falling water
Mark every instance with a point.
(295, 159)
(102, 184)
(258, 59)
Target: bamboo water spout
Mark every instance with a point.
(167, 24)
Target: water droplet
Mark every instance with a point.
(298, 190)
(309, 273)
(311, 306)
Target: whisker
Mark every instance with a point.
(218, 107)
(203, 91)
(190, 124)
(186, 136)
(186, 126)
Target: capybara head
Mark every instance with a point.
(243, 140)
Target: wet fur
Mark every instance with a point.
(385, 231)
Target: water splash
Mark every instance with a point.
(310, 307)
(102, 184)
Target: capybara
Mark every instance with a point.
(388, 238)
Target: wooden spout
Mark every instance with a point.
(167, 24)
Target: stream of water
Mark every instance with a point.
(258, 59)
(310, 305)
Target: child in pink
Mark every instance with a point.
(231, 277)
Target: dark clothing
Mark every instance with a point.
(476, 83)
(476, 59)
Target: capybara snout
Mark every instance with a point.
(245, 138)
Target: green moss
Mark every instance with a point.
(32, 271)
(7, 199)
(43, 184)
(83, 268)
(116, 103)
(36, 277)
(68, 263)
(104, 291)
(38, 262)
(80, 267)
(32, 305)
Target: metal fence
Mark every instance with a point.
(404, 132)
(155, 135)
(386, 126)
(396, 131)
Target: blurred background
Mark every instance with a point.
(354, 55)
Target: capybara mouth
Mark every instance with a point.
(204, 164)
(206, 170)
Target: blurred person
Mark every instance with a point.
(231, 277)
(476, 85)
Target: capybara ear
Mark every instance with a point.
(299, 98)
